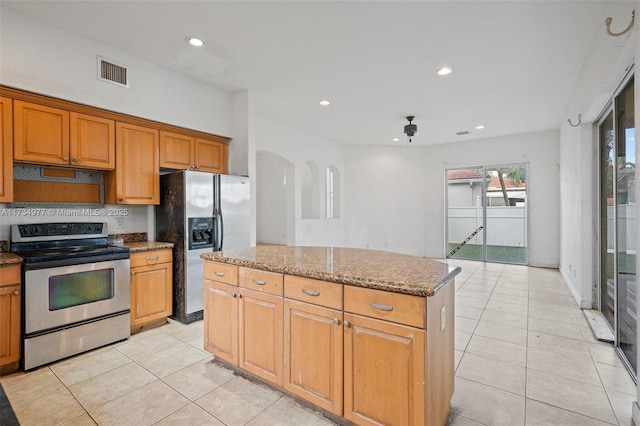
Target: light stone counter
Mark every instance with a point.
(138, 246)
(7, 259)
(380, 270)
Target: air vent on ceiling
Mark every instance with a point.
(462, 133)
(112, 72)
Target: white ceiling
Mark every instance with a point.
(516, 63)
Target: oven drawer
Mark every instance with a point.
(153, 257)
(65, 295)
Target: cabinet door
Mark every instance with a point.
(221, 320)
(176, 151)
(384, 372)
(92, 142)
(10, 302)
(150, 293)
(210, 156)
(6, 151)
(41, 133)
(260, 339)
(313, 374)
(136, 179)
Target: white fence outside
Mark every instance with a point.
(506, 226)
(627, 226)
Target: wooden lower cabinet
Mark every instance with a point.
(313, 374)
(260, 335)
(151, 287)
(369, 356)
(384, 372)
(221, 320)
(10, 302)
(244, 327)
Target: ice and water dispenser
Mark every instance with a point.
(200, 233)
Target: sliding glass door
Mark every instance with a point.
(487, 213)
(618, 223)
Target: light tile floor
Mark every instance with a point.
(525, 355)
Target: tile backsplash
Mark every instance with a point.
(120, 219)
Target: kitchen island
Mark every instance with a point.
(364, 335)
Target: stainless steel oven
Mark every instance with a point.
(75, 290)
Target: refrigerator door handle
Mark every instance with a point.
(221, 234)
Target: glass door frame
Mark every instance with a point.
(610, 108)
(527, 216)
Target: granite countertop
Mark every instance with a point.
(380, 270)
(7, 259)
(138, 246)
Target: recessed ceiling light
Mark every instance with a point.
(195, 41)
(325, 103)
(479, 127)
(444, 71)
(395, 140)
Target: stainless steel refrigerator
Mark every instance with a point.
(200, 212)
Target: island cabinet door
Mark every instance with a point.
(221, 320)
(260, 340)
(313, 354)
(384, 372)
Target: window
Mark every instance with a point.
(333, 192)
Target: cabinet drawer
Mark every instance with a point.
(262, 281)
(384, 305)
(313, 291)
(10, 275)
(147, 258)
(221, 272)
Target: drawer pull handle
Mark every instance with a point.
(16, 292)
(310, 292)
(152, 257)
(219, 274)
(336, 321)
(347, 324)
(381, 307)
(259, 282)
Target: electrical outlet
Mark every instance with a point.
(119, 222)
(443, 317)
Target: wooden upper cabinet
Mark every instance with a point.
(92, 142)
(49, 135)
(210, 156)
(176, 151)
(136, 179)
(41, 134)
(187, 153)
(6, 151)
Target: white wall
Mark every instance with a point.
(539, 149)
(386, 200)
(43, 59)
(396, 194)
(298, 146)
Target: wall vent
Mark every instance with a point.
(112, 72)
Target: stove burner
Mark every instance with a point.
(54, 244)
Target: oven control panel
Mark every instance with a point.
(42, 231)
